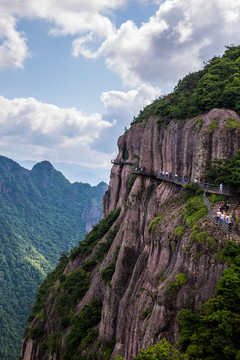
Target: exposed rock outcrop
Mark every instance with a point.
(141, 303)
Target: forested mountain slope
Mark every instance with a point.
(41, 215)
(156, 267)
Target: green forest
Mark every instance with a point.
(217, 85)
(41, 216)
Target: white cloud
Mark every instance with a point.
(176, 40)
(13, 49)
(130, 102)
(66, 17)
(29, 127)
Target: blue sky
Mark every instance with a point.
(74, 73)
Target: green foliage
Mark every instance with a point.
(40, 217)
(85, 247)
(173, 287)
(101, 251)
(214, 198)
(178, 232)
(85, 320)
(213, 332)
(45, 286)
(232, 124)
(161, 351)
(34, 333)
(204, 238)
(107, 273)
(130, 184)
(195, 210)
(72, 289)
(212, 126)
(152, 227)
(226, 171)
(216, 85)
(144, 314)
(190, 190)
(199, 123)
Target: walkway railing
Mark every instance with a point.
(122, 161)
(225, 227)
(212, 188)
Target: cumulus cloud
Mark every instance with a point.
(13, 49)
(66, 17)
(130, 102)
(175, 40)
(37, 130)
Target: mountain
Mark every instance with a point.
(75, 172)
(157, 273)
(41, 215)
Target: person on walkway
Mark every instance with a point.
(222, 218)
(185, 178)
(227, 205)
(221, 206)
(220, 188)
(166, 173)
(218, 216)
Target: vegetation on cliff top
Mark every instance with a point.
(226, 171)
(217, 85)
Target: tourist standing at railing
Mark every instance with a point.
(221, 188)
(222, 218)
(218, 216)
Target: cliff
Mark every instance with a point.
(151, 266)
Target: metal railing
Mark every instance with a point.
(225, 227)
(213, 188)
(122, 161)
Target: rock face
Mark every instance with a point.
(140, 304)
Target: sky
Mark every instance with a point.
(74, 73)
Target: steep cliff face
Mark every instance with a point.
(159, 268)
(179, 147)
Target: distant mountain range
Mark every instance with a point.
(41, 215)
(75, 172)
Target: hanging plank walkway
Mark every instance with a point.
(211, 188)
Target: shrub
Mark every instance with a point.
(178, 232)
(213, 126)
(144, 314)
(232, 124)
(85, 320)
(161, 351)
(107, 273)
(195, 209)
(154, 223)
(85, 247)
(173, 288)
(130, 184)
